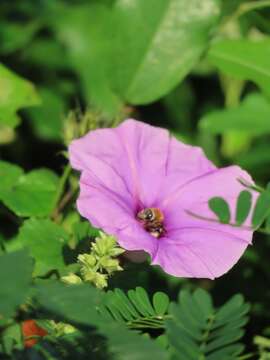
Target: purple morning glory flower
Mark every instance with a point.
(137, 183)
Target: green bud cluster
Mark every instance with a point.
(61, 329)
(72, 279)
(78, 124)
(99, 264)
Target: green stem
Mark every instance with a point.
(243, 9)
(246, 7)
(150, 326)
(151, 322)
(144, 323)
(61, 188)
(206, 334)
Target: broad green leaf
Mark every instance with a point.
(62, 302)
(15, 93)
(262, 208)
(45, 241)
(87, 45)
(161, 51)
(160, 303)
(221, 208)
(9, 174)
(130, 345)
(30, 194)
(251, 117)
(244, 202)
(67, 302)
(15, 278)
(47, 119)
(243, 59)
(143, 60)
(82, 230)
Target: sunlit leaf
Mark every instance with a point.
(157, 53)
(243, 59)
(45, 241)
(255, 109)
(161, 51)
(9, 174)
(30, 194)
(15, 93)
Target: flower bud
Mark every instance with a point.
(71, 279)
(87, 260)
(110, 265)
(101, 281)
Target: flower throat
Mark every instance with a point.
(152, 221)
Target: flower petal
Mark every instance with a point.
(198, 247)
(184, 164)
(199, 253)
(193, 197)
(135, 166)
(108, 211)
(136, 152)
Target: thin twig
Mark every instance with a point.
(60, 190)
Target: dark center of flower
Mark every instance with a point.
(152, 221)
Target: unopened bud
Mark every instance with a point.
(71, 279)
(87, 260)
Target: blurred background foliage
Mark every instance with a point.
(200, 68)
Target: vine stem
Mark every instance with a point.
(246, 7)
(60, 190)
(254, 5)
